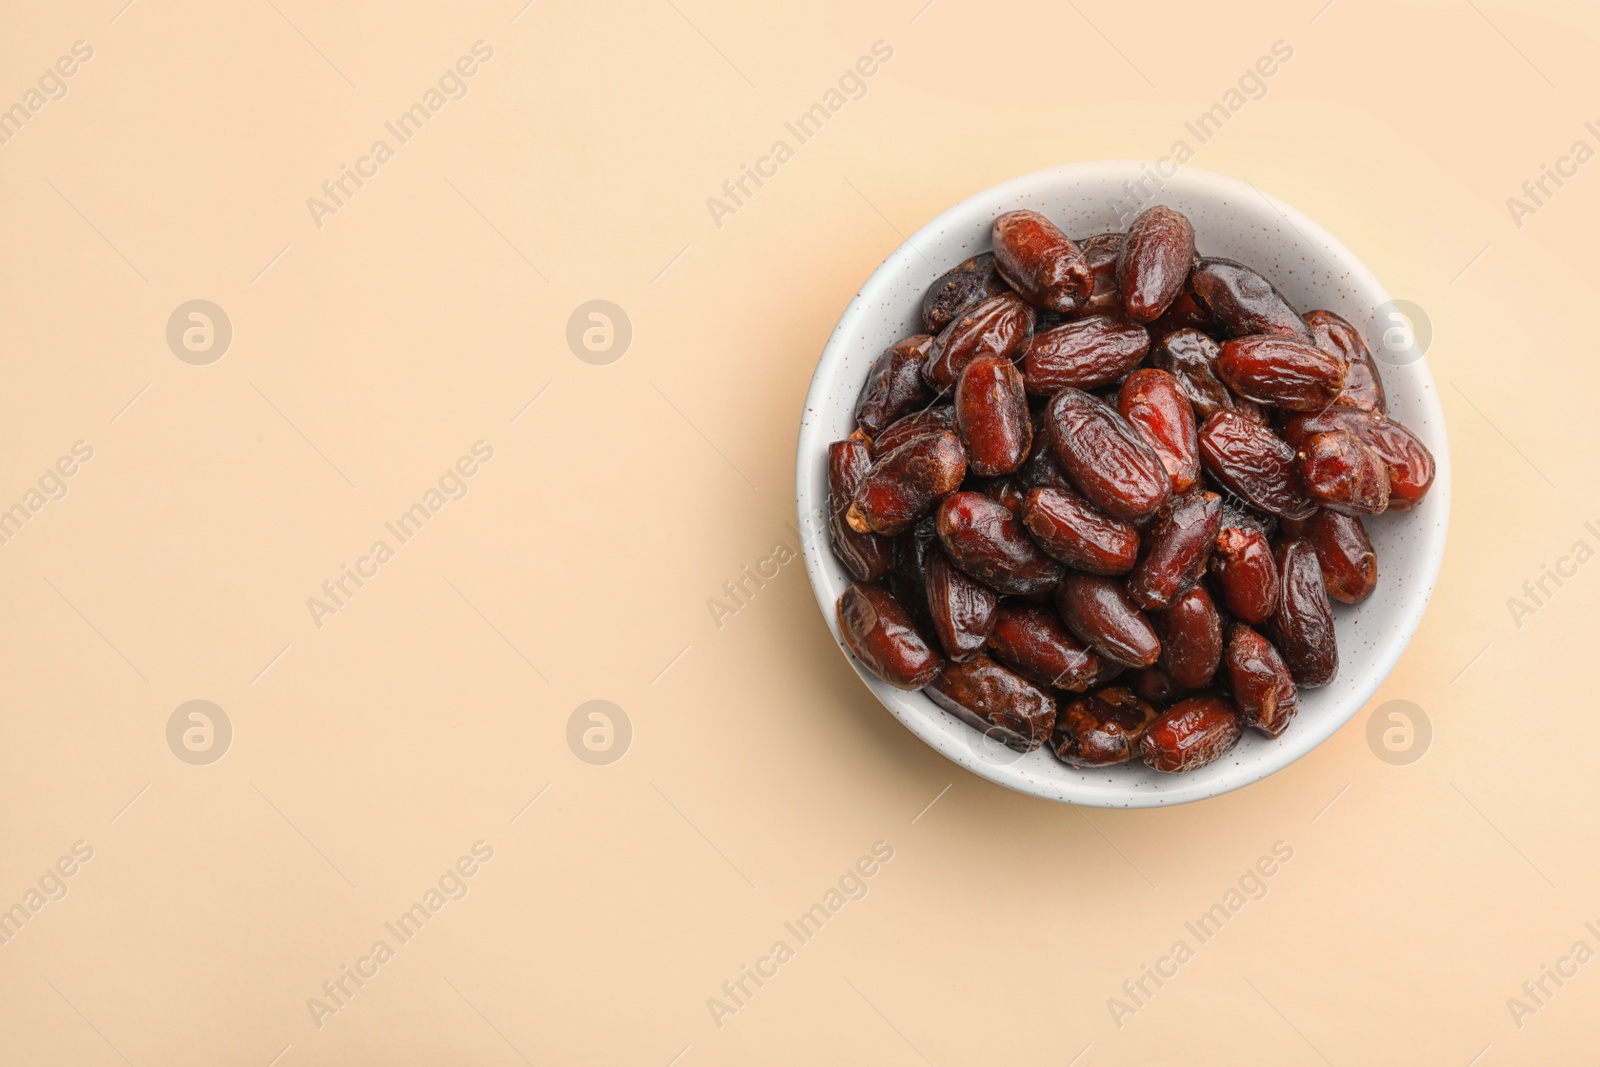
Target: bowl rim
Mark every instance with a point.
(1294, 744)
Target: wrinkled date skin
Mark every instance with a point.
(1241, 302)
(999, 326)
(865, 555)
(992, 416)
(881, 635)
(1349, 565)
(917, 424)
(1083, 353)
(1263, 690)
(908, 573)
(894, 384)
(1105, 459)
(1069, 528)
(1153, 684)
(1191, 357)
(1005, 706)
(1102, 615)
(1246, 573)
(1191, 734)
(1102, 729)
(1154, 405)
(1255, 463)
(1363, 387)
(963, 608)
(1176, 549)
(1191, 639)
(1411, 466)
(1282, 372)
(1341, 473)
(1035, 643)
(1154, 262)
(985, 539)
(1041, 262)
(1006, 491)
(959, 290)
(1302, 626)
(1101, 253)
(905, 484)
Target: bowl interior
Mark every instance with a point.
(1232, 220)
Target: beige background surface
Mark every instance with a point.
(368, 354)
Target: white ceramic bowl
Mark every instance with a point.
(1233, 220)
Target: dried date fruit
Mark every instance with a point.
(1363, 386)
(1302, 625)
(1341, 473)
(1102, 615)
(1176, 548)
(1190, 734)
(894, 385)
(1191, 639)
(1281, 372)
(1004, 705)
(1083, 353)
(985, 539)
(1184, 314)
(1154, 262)
(959, 290)
(1041, 262)
(908, 555)
(1102, 729)
(904, 485)
(1000, 326)
(1101, 253)
(1072, 530)
(1191, 357)
(1105, 459)
(1240, 301)
(963, 608)
(865, 555)
(1154, 684)
(1006, 491)
(881, 635)
(1263, 690)
(992, 416)
(918, 423)
(1252, 461)
(1035, 643)
(1411, 466)
(1349, 565)
(1246, 573)
(1154, 405)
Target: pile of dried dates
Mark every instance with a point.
(1104, 501)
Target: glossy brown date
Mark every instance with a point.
(1411, 466)
(999, 326)
(963, 609)
(1191, 357)
(1153, 403)
(905, 484)
(894, 385)
(1302, 625)
(1246, 573)
(1005, 706)
(1041, 262)
(1363, 386)
(1006, 490)
(992, 416)
(1190, 734)
(1255, 463)
(959, 290)
(1176, 549)
(1102, 615)
(1102, 729)
(865, 555)
(1263, 690)
(1103, 456)
(1035, 643)
(1342, 474)
(1349, 565)
(1240, 301)
(1083, 353)
(1101, 253)
(985, 539)
(881, 635)
(1072, 530)
(1281, 372)
(1154, 262)
(1191, 638)
(918, 423)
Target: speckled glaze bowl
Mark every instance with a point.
(1233, 220)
